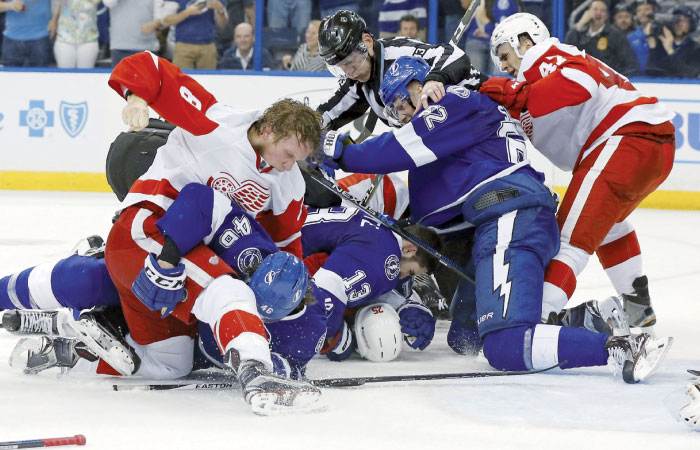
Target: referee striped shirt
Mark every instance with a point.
(450, 65)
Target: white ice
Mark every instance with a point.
(575, 409)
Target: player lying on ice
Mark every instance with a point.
(358, 247)
(466, 163)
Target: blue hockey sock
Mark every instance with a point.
(582, 348)
(14, 291)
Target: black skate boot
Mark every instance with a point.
(35, 321)
(605, 316)
(104, 336)
(427, 289)
(638, 305)
(269, 394)
(36, 355)
(636, 357)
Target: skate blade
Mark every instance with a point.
(115, 356)
(272, 404)
(20, 354)
(656, 350)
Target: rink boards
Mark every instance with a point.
(56, 126)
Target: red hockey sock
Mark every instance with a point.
(235, 322)
(562, 276)
(619, 250)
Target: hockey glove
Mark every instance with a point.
(340, 347)
(158, 288)
(331, 148)
(509, 93)
(417, 325)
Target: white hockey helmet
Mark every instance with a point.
(378, 332)
(508, 30)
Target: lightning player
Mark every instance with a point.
(466, 167)
(251, 157)
(618, 143)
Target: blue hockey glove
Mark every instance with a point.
(158, 288)
(330, 149)
(416, 322)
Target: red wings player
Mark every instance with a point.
(588, 119)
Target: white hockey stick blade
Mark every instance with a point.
(656, 350)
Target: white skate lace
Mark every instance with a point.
(36, 322)
(616, 359)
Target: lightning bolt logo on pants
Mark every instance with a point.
(500, 267)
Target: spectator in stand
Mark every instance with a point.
(603, 41)
(132, 27)
(486, 17)
(26, 36)
(239, 11)
(674, 52)
(392, 11)
(289, 13)
(328, 7)
(240, 55)
(624, 18)
(307, 58)
(644, 11)
(194, 38)
(74, 24)
(452, 11)
(408, 27)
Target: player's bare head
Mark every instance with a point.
(291, 131)
(513, 37)
(346, 45)
(415, 260)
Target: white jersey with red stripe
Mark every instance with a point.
(391, 197)
(577, 102)
(209, 146)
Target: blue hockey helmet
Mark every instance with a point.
(393, 90)
(279, 284)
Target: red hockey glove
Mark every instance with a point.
(509, 93)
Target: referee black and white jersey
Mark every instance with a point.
(450, 65)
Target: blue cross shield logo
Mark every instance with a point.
(73, 117)
(36, 118)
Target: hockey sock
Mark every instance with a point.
(622, 261)
(559, 286)
(581, 348)
(14, 291)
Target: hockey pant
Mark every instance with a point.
(606, 187)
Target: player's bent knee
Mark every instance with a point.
(224, 294)
(509, 348)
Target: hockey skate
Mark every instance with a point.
(104, 339)
(36, 355)
(34, 321)
(427, 289)
(605, 316)
(269, 394)
(90, 246)
(638, 305)
(636, 357)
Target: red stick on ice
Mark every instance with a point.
(78, 439)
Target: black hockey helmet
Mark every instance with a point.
(690, 13)
(339, 34)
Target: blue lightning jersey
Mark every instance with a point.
(449, 149)
(364, 259)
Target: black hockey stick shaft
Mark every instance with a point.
(359, 381)
(338, 382)
(464, 22)
(694, 372)
(78, 439)
(384, 220)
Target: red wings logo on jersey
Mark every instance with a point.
(250, 195)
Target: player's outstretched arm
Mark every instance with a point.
(176, 97)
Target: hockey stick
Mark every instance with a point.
(386, 221)
(78, 439)
(339, 382)
(694, 372)
(464, 22)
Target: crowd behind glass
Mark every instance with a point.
(649, 38)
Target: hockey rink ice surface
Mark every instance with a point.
(574, 409)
